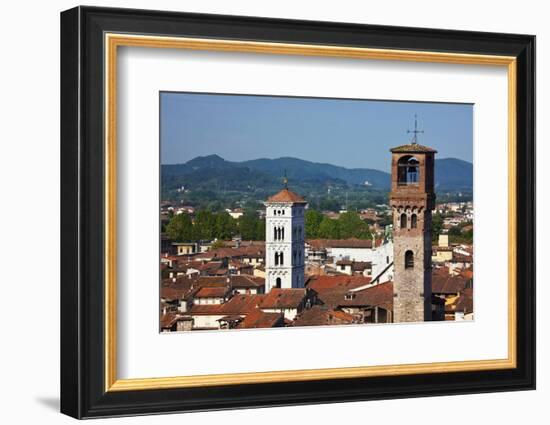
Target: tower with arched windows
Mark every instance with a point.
(412, 200)
(284, 240)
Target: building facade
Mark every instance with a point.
(284, 243)
(412, 200)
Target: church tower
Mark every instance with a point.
(284, 240)
(412, 200)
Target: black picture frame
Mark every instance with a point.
(83, 392)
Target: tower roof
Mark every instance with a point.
(287, 195)
(412, 148)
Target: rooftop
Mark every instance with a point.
(412, 148)
(287, 195)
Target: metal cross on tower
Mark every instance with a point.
(416, 132)
(285, 181)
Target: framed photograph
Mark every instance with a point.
(261, 212)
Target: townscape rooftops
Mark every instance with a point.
(238, 304)
(412, 148)
(287, 196)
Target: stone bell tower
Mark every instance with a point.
(412, 200)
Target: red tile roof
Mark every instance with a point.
(259, 319)
(444, 283)
(283, 298)
(212, 292)
(342, 243)
(321, 315)
(412, 148)
(342, 283)
(287, 195)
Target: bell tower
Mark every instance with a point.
(284, 243)
(412, 200)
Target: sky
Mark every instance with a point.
(345, 132)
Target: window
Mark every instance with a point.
(282, 233)
(276, 258)
(275, 233)
(281, 258)
(409, 259)
(408, 171)
(278, 282)
(403, 221)
(413, 221)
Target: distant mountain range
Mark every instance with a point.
(213, 172)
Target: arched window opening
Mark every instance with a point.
(409, 259)
(278, 282)
(408, 170)
(281, 259)
(413, 221)
(403, 221)
(276, 258)
(282, 233)
(274, 233)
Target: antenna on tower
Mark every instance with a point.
(415, 132)
(285, 180)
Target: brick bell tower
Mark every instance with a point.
(412, 200)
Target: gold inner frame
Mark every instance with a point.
(113, 41)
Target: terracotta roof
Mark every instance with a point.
(287, 195)
(379, 295)
(259, 319)
(246, 281)
(341, 283)
(212, 292)
(342, 243)
(412, 148)
(465, 301)
(321, 315)
(241, 304)
(444, 283)
(168, 320)
(283, 298)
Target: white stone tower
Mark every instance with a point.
(284, 240)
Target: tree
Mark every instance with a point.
(437, 225)
(313, 220)
(204, 225)
(180, 228)
(329, 229)
(248, 225)
(351, 226)
(225, 226)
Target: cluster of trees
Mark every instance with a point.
(208, 225)
(348, 225)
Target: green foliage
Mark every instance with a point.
(180, 228)
(248, 226)
(209, 225)
(348, 225)
(351, 226)
(313, 220)
(329, 229)
(437, 225)
(226, 226)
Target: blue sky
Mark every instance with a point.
(345, 132)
